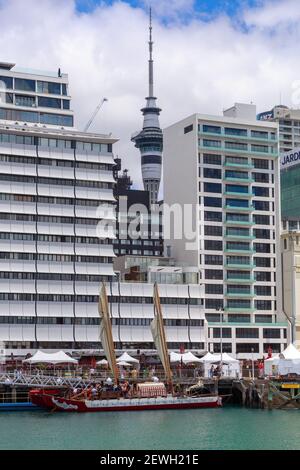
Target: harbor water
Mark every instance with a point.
(205, 429)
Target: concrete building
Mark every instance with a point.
(289, 125)
(56, 187)
(290, 246)
(225, 169)
(138, 224)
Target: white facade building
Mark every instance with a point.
(226, 169)
(56, 186)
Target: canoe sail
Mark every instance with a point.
(159, 337)
(106, 332)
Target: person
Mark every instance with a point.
(261, 368)
(212, 371)
(94, 392)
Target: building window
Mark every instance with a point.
(212, 187)
(212, 143)
(212, 202)
(24, 85)
(213, 216)
(246, 333)
(212, 159)
(214, 303)
(260, 191)
(46, 102)
(260, 177)
(226, 347)
(213, 274)
(213, 230)
(226, 332)
(260, 163)
(214, 288)
(188, 129)
(213, 245)
(212, 173)
(263, 304)
(238, 318)
(263, 290)
(234, 131)
(247, 348)
(271, 333)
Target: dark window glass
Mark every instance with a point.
(66, 104)
(212, 216)
(271, 333)
(262, 233)
(46, 102)
(214, 129)
(246, 332)
(226, 347)
(214, 288)
(260, 163)
(261, 205)
(263, 290)
(212, 202)
(260, 191)
(262, 276)
(213, 259)
(188, 129)
(212, 188)
(233, 131)
(212, 173)
(261, 219)
(7, 81)
(213, 230)
(262, 262)
(212, 159)
(263, 304)
(238, 318)
(24, 85)
(247, 348)
(213, 245)
(262, 247)
(226, 332)
(260, 177)
(213, 274)
(214, 303)
(263, 318)
(48, 87)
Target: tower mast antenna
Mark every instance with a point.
(150, 55)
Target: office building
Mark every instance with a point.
(139, 229)
(226, 171)
(56, 191)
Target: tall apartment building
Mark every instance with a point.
(138, 224)
(226, 168)
(56, 186)
(289, 125)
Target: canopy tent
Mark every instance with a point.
(103, 362)
(287, 362)
(186, 358)
(127, 358)
(59, 357)
(124, 364)
(230, 366)
(290, 353)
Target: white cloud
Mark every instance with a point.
(199, 67)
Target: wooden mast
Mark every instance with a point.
(159, 336)
(106, 332)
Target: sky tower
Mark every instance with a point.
(150, 140)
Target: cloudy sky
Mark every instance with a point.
(208, 54)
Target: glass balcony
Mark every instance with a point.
(236, 236)
(237, 250)
(236, 179)
(240, 208)
(238, 194)
(239, 222)
(239, 137)
(238, 279)
(234, 265)
(238, 295)
(238, 165)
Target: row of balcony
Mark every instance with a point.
(237, 151)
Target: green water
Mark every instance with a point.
(224, 428)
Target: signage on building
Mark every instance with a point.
(290, 158)
(265, 116)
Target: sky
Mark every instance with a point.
(208, 54)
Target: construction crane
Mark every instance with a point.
(94, 114)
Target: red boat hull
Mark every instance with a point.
(51, 401)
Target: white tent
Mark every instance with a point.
(290, 353)
(123, 364)
(103, 362)
(50, 358)
(230, 366)
(186, 358)
(125, 357)
(271, 365)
